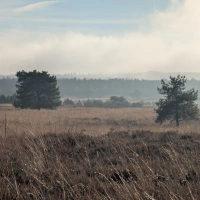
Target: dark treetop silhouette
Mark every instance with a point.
(36, 90)
(178, 104)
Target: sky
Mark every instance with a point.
(99, 37)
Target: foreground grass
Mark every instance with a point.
(118, 165)
(92, 153)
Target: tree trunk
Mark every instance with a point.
(177, 115)
(177, 120)
(38, 101)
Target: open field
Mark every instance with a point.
(92, 153)
(91, 121)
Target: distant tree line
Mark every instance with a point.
(113, 102)
(7, 86)
(99, 88)
(94, 88)
(7, 99)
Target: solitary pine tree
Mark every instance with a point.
(178, 104)
(36, 90)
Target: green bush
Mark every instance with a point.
(117, 102)
(7, 99)
(138, 104)
(113, 102)
(93, 103)
(68, 102)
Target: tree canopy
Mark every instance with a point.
(177, 104)
(36, 90)
(7, 99)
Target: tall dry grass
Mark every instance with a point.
(79, 153)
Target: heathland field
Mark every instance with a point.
(93, 153)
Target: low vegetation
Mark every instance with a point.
(97, 153)
(112, 102)
(7, 99)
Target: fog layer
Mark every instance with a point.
(164, 41)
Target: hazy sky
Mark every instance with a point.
(99, 36)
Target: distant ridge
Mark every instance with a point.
(150, 75)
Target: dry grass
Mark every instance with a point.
(83, 153)
(92, 121)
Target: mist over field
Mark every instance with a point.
(146, 36)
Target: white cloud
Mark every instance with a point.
(170, 43)
(38, 5)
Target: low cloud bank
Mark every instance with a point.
(165, 41)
